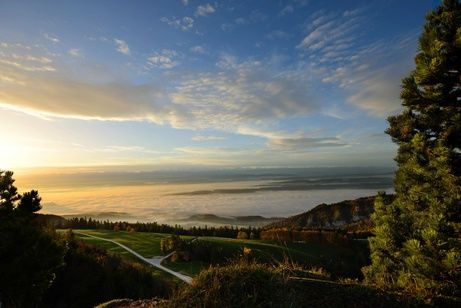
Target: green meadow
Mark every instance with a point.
(333, 257)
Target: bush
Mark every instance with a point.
(235, 285)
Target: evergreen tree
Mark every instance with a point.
(416, 247)
(29, 256)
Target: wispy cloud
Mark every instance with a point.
(278, 34)
(204, 10)
(242, 93)
(27, 67)
(75, 52)
(52, 38)
(239, 95)
(207, 138)
(165, 59)
(254, 17)
(24, 61)
(287, 10)
(305, 143)
(121, 149)
(368, 73)
(185, 2)
(198, 49)
(330, 32)
(185, 23)
(122, 46)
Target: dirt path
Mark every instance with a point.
(154, 261)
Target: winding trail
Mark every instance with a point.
(154, 261)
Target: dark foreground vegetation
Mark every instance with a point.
(255, 285)
(90, 275)
(39, 268)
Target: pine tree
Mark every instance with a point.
(416, 247)
(29, 256)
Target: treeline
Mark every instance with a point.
(220, 231)
(311, 235)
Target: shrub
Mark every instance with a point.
(235, 285)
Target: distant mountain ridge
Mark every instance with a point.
(335, 215)
(252, 220)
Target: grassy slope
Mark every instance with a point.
(148, 245)
(191, 268)
(276, 250)
(145, 243)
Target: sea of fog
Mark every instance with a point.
(173, 196)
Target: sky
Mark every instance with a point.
(180, 83)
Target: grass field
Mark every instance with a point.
(277, 250)
(145, 243)
(326, 255)
(191, 268)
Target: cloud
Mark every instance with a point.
(245, 97)
(185, 2)
(305, 143)
(367, 72)
(165, 59)
(379, 94)
(120, 149)
(122, 46)
(30, 68)
(278, 34)
(61, 97)
(256, 16)
(14, 45)
(204, 10)
(207, 138)
(227, 27)
(74, 52)
(52, 38)
(243, 93)
(25, 61)
(286, 10)
(198, 50)
(240, 21)
(185, 23)
(371, 78)
(240, 94)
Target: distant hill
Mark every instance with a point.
(348, 213)
(253, 220)
(50, 220)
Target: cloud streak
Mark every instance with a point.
(305, 143)
(207, 138)
(166, 59)
(51, 38)
(368, 73)
(122, 47)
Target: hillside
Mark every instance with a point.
(50, 219)
(336, 215)
(211, 219)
